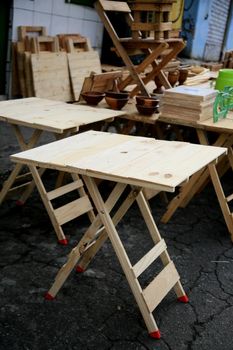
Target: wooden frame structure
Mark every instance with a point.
(151, 47)
(58, 118)
(126, 161)
(224, 132)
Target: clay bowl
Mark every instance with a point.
(92, 97)
(116, 103)
(147, 101)
(147, 110)
(115, 94)
(183, 75)
(173, 77)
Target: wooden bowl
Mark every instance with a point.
(147, 110)
(115, 94)
(92, 97)
(116, 103)
(147, 101)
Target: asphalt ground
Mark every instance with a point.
(96, 309)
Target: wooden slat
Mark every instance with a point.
(81, 65)
(160, 286)
(229, 198)
(24, 31)
(51, 76)
(118, 157)
(64, 189)
(72, 210)
(151, 26)
(118, 6)
(148, 259)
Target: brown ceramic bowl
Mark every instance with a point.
(92, 97)
(116, 103)
(147, 101)
(147, 110)
(115, 94)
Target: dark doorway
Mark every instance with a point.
(5, 7)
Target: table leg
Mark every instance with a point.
(26, 194)
(7, 186)
(221, 198)
(149, 297)
(9, 182)
(92, 240)
(64, 213)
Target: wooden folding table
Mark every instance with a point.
(132, 163)
(58, 118)
(223, 129)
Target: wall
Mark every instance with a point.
(58, 17)
(206, 28)
(218, 22)
(228, 44)
(188, 25)
(201, 29)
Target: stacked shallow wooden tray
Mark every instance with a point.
(188, 102)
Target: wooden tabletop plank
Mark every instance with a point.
(135, 160)
(52, 115)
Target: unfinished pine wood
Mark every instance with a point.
(102, 82)
(189, 103)
(91, 155)
(28, 75)
(45, 115)
(162, 283)
(77, 43)
(44, 43)
(149, 258)
(64, 189)
(128, 155)
(50, 115)
(51, 76)
(81, 65)
(24, 31)
(72, 210)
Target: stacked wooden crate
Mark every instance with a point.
(51, 67)
(152, 17)
(188, 103)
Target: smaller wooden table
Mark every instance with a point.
(132, 163)
(58, 118)
(224, 132)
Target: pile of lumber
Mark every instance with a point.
(188, 103)
(52, 67)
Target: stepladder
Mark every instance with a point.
(103, 227)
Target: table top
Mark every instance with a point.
(54, 116)
(139, 161)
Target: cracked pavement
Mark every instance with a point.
(96, 309)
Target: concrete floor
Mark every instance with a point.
(95, 309)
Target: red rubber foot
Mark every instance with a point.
(79, 269)
(155, 334)
(63, 241)
(49, 296)
(183, 299)
(19, 203)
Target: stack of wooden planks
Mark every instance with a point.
(52, 67)
(188, 103)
